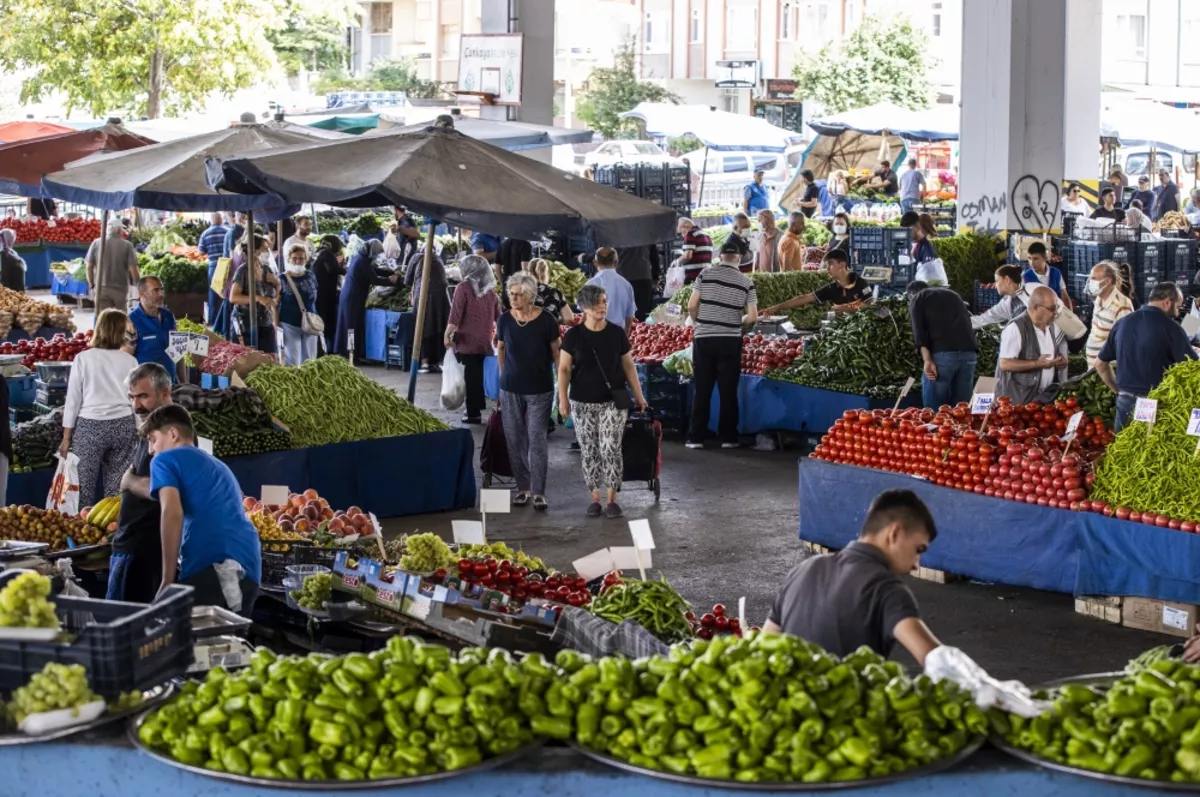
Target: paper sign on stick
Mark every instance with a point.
(467, 532)
(495, 502)
(594, 565)
(981, 403)
(642, 537)
(275, 494)
(204, 444)
(1073, 426)
(1146, 410)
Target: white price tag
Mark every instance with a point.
(175, 354)
(1175, 618)
(981, 403)
(350, 346)
(742, 613)
(275, 494)
(674, 310)
(594, 565)
(204, 444)
(1073, 426)
(1194, 424)
(180, 341)
(467, 532)
(908, 385)
(495, 502)
(198, 345)
(626, 558)
(1146, 410)
(642, 537)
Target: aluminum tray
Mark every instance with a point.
(16, 549)
(79, 551)
(209, 621)
(151, 698)
(1095, 679)
(323, 785)
(786, 786)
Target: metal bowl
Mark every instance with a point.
(53, 372)
(788, 786)
(151, 698)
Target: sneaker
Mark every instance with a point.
(520, 499)
(693, 445)
(595, 510)
(731, 445)
(574, 447)
(613, 511)
(539, 503)
(472, 420)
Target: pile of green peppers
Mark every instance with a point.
(409, 709)
(1146, 725)
(764, 708)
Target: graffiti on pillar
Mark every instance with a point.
(1035, 203)
(985, 214)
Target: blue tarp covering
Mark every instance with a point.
(1007, 542)
(939, 123)
(391, 476)
(491, 378)
(378, 322)
(768, 405)
(66, 285)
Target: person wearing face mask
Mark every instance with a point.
(846, 293)
(1111, 305)
(841, 234)
(298, 295)
(329, 266)
(1144, 344)
(741, 238)
(152, 326)
(266, 294)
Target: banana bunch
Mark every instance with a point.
(104, 512)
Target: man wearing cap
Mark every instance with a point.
(1143, 194)
(754, 197)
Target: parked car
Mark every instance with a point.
(724, 174)
(631, 153)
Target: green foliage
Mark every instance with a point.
(681, 145)
(144, 57)
(313, 35)
(394, 75)
(611, 91)
(968, 257)
(878, 62)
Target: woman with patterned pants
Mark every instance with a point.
(594, 370)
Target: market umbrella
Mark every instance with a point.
(23, 164)
(22, 131)
(512, 136)
(443, 174)
(354, 123)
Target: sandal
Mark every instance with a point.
(539, 503)
(595, 510)
(520, 499)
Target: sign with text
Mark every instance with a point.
(1146, 410)
(1073, 426)
(1194, 424)
(491, 63)
(981, 403)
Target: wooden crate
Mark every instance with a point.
(1101, 607)
(937, 576)
(814, 549)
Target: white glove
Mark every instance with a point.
(946, 662)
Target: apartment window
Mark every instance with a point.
(935, 26)
(741, 28)
(694, 30)
(729, 102)
(1131, 37)
(381, 17)
(785, 22)
(817, 22)
(451, 36)
(648, 32)
(654, 32)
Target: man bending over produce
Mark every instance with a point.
(846, 293)
(207, 541)
(857, 596)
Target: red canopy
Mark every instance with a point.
(24, 163)
(23, 131)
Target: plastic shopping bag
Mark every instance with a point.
(64, 489)
(676, 276)
(454, 383)
(932, 272)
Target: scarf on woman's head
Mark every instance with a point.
(7, 238)
(478, 272)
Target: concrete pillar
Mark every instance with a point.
(534, 19)
(1030, 109)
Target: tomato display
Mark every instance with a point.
(653, 343)
(60, 348)
(60, 231)
(762, 353)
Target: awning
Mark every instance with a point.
(25, 130)
(718, 130)
(512, 136)
(939, 123)
(23, 164)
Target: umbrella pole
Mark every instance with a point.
(252, 279)
(419, 329)
(100, 262)
(703, 173)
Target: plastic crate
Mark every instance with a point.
(985, 297)
(315, 555)
(277, 557)
(866, 238)
(1151, 258)
(1179, 256)
(1077, 288)
(18, 415)
(123, 646)
(213, 381)
(21, 390)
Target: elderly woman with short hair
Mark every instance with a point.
(593, 372)
(527, 349)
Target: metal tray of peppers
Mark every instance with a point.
(1133, 728)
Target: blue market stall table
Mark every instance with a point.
(769, 405)
(379, 324)
(38, 259)
(1009, 542)
(390, 476)
(16, 333)
(66, 285)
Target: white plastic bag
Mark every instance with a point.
(64, 489)
(676, 276)
(454, 383)
(945, 662)
(932, 272)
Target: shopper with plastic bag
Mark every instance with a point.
(98, 422)
(469, 334)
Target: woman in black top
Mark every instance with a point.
(594, 365)
(437, 309)
(841, 234)
(266, 294)
(329, 266)
(549, 298)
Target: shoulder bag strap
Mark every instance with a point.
(296, 293)
(596, 356)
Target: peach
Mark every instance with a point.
(336, 524)
(311, 494)
(249, 503)
(302, 525)
(352, 511)
(327, 513)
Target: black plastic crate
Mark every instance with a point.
(679, 175)
(315, 555)
(985, 296)
(123, 646)
(1179, 256)
(1151, 258)
(867, 238)
(1077, 288)
(277, 556)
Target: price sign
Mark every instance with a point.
(198, 345)
(1146, 410)
(981, 403)
(1073, 426)
(175, 354)
(180, 341)
(350, 345)
(495, 502)
(628, 558)
(204, 444)
(467, 532)
(642, 537)
(904, 392)
(674, 310)
(275, 494)
(594, 565)
(1194, 424)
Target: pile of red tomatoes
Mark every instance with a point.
(761, 354)
(653, 343)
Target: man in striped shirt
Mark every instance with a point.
(723, 301)
(697, 245)
(1110, 306)
(212, 245)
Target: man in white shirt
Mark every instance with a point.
(1014, 296)
(1033, 351)
(303, 230)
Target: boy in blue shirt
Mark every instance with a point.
(205, 532)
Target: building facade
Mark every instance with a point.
(1149, 47)
(426, 31)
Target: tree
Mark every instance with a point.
(613, 90)
(878, 62)
(313, 35)
(385, 75)
(145, 57)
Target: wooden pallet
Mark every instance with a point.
(813, 549)
(1101, 607)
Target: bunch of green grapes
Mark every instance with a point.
(424, 553)
(316, 592)
(126, 701)
(23, 603)
(57, 686)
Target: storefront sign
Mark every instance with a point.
(491, 63)
(780, 89)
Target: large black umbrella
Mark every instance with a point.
(512, 136)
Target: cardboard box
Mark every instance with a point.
(1176, 619)
(1103, 608)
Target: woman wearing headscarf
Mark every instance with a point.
(329, 266)
(352, 304)
(12, 267)
(437, 311)
(473, 314)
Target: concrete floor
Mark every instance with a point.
(726, 528)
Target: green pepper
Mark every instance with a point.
(551, 727)
(235, 761)
(587, 722)
(329, 733)
(712, 755)
(1151, 684)
(1138, 758)
(819, 772)
(288, 768)
(214, 717)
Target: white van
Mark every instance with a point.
(726, 173)
(1135, 161)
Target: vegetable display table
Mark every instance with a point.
(769, 405)
(1008, 542)
(105, 765)
(391, 476)
(38, 259)
(16, 333)
(66, 285)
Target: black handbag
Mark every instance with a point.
(620, 395)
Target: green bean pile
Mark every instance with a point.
(1155, 469)
(328, 401)
(654, 605)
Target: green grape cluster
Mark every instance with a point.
(23, 603)
(316, 592)
(126, 701)
(57, 686)
(424, 553)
